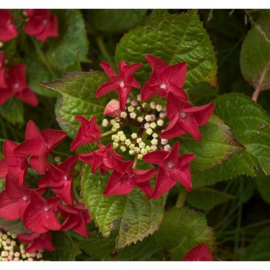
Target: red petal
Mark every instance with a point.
(185, 159)
(183, 176)
(5, 94)
(108, 69)
(199, 253)
(39, 163)
(189, 125)
(144, 175)
(149, 91)
(107, 87)
(28, 96)
(32, 131)
(146, 188)
(156, 157)
(3, 168)
(173, 130)
(156, 64)
(31, 147)
(53, 137)
(65, 192)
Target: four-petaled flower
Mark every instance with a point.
(76, 218)
(185, 117)
(39, 144)
(172, 169)
(199, 253)
(17, 86)
(88, 132)
(60, 179)
(124, 178)
(122, 83)
(3, 83)
(7, 27)
(14, 199)
(101, 158)
(41, 24)
(164, 79)
(37, 241)
(39, 215)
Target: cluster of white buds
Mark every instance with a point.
(149, 117)
(12, 250)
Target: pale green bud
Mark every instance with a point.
(149, 131)
(159, 108)
(140, 156)
(153, 125)
(131, 108)
(134, 135)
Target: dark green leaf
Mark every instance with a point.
(249, 123)
(12, 111)
(181, 230)
(15, 226)
(114, 20)
(263, 185)
(174, 39)
(207, 198)
(139, 216)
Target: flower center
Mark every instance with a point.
(25, 198)
(65, 178)
(45, 22)
(46, 208)
(170, 164)
(163, 86)
(183, 115)
(16, 86)
(122, 85)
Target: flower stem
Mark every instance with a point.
(102, 48)
(135, 162)
(107, 133)
(181, 197)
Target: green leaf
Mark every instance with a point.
(15, 226)
(13, 111)
(255, 55)
(263, 185)
(114, 20)
(174, 39)
(240, 163)
(72, 43)
(249, 124)
(216, 146)
(258, 250)
(78, 98)
(65, 248)
(38, 73)
(181, 230)
(207, 198)
(202, 94)
(138, 215)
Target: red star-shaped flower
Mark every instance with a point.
(76, 218)
(122, 83)
(3, 83)
(101, 158)
(14, 199)
(17, 86)
(60, 179)
(172, 169)
(14, 164)
(124, 178)
(199, 253)
(39, 144)
(41, 24)
(36, 241)
(164, 79)
(7, 27)
(39, 216)
(88, 132)
(185, 117)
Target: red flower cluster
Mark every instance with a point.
(19, 201)
(153, 121)
(40, 24)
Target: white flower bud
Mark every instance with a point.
(142, 145)
(137, 150)
(140, 156)
(131, 152)
(134, 135)
(146, 125)
(159, 108)
(116, 126)
(115, 144)
(153, 125)
(115, 138)
(149, 131)
(131, 146)
(123, 138)
(162, 115)
(153, 105)
(140, 119)
(123, 115)
(139, 98)
(143, 151)
(131, 108)
(147, 117)
(160, 122)
(127, 142)
(133, 115)
(139, 140)
(134, 102)
(105, 122)
(155, 135)
(148, 148)
(112, 121)
(167, 147)
(164, 141)
(144, 105)
(154, 142)
(153, 117)
(153, 147)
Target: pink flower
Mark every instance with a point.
(122, 83)
(185, 118)
(14, 164)
(172, 169)
(39, 144)
(14, 199)
(39, 216)
(76, 218)
(60, 179)
(164, 79)
(41, 24)
(3, 83)
(112, 109)
(199, 253)
(17, 86)
(124, 178)
(101, 158)
(7, 27)
(88, 132)
(36, 241)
